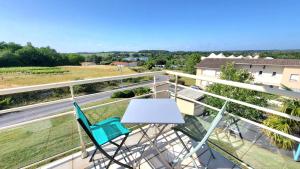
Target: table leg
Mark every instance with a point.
(152, 144)
(138, 145)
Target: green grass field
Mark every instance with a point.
(24, 76)
(30, 143)
(32, 70)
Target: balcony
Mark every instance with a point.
(52, 140)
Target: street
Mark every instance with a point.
(56, 108)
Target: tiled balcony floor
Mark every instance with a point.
(169, 145)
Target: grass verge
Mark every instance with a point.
(30, 143)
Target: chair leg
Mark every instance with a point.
(208, 149)
(91, 159)
(195, 164)
(211, 152)
(181, 141)
(112, 158)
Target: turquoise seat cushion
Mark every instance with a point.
(108, 129)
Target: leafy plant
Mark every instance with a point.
(123, 94)
(131, 93)
(5, 102)
(228, 72)
(291, 107)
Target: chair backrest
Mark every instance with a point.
(82, 118)
(213, 125)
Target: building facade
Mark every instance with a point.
(269, 72)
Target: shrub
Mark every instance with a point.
(179, 81)
(123, 94)
(291, 107)
(229, 72)
(130, 93)
(141, 91)
(4, 103)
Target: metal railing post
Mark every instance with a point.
(154, 86)
(84, 153)
(176, 85)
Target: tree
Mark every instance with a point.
(31, 56)
(9, 46)
(54, 57)
(149, 64)
(160, 62)
(191, 62)
(228, 72)
(8, 59)
(75, 59)
(94, 58)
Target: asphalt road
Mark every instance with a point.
(55, 108)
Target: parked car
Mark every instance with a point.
(196, 87)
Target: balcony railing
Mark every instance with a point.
(44, 139)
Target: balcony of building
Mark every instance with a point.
(52, 140)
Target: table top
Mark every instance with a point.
(152, 111)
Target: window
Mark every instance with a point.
(294, 77)
(274, 74)
(250, 66)
(264, 66)
(260, 73)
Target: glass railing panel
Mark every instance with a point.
(245, 144)
(30, 143)
(251, 146)
(26, 144)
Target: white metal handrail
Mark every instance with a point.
(177, 74)
(75, 82)
(72, 112)
(244, 119)
(69, 99)
(264, 89)
(244, 104)
(70, 84)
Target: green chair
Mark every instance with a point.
(197, 132)
(103, 132)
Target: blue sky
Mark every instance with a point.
(105, 25)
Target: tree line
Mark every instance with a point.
(12, 54)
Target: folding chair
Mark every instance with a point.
(195, 130)
(103, 132)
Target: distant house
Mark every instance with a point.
(88, 63)
(143, 58)
(134, 59)
(125, 64)
(160, 66)
(221, 55)
(270, 72)
(131, 59)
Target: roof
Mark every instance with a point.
(191, 94)
(216, 63)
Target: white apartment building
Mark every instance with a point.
(271, 72)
